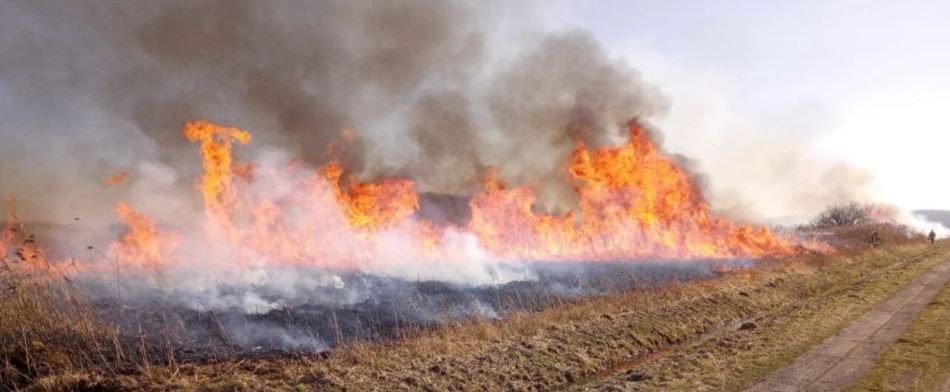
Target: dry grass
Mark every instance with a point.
(735, 358)
(47, 327)
(52, 340)
(858, 237)
(564, 345)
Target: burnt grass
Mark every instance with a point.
(583, 320)
(582, 342)
(164, 328)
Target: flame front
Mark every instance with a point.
(634, 203)
(143, 244)
(372, 205)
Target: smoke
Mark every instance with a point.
(762, 163)
(433, 90)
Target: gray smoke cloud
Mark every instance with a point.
(435, 90)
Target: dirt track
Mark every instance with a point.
(842, 359)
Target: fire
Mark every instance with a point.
(143, 244)
(635, 203)
(373, 205)
(216, 152)
(24, 252)
(118, 178)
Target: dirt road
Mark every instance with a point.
(844, 358)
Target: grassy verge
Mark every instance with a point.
(47, 329)
(735, 359)
(920, 359)
(800, 301)
(51, 343)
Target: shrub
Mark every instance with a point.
(843, 214)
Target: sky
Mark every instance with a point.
(867, 81)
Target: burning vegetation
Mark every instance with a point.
(635, 204)
(640, 222)
(406, 172)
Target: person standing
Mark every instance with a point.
(875, 239)
(932, 236)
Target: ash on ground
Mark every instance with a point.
(355, 306)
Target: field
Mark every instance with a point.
(445, 195)
(716, 333)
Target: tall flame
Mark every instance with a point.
(143, 244)
(216, 153)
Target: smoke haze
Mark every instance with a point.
(433, 90)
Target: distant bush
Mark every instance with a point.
(852, 224)
(843, 214)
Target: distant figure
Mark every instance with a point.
(875, 239)
(932, 236)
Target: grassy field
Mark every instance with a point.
(685, 336)
(920, 359)
(795, 303)
(735, 359)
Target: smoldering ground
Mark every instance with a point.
(339, 307)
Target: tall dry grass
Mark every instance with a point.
(51, 335)
(47, 324)
(852, 225)
(850, 238)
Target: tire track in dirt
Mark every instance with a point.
(842, 359)
(632, 363)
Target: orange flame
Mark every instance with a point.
(143, 244)
(216, 153)
(26, 253)
(635, 203)
(373, 206)
(118, 178)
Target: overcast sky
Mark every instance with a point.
(869, 81)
